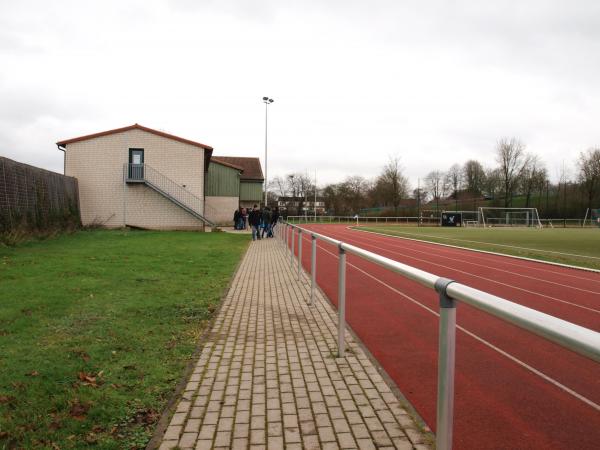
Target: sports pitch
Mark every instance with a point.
(575, 246)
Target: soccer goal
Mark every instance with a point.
(592, 217)
(509, 217)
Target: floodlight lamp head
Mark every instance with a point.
(271, 100)
(265, 99)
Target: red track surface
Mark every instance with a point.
(499, 403)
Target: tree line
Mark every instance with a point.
(518, 179)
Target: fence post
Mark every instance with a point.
(446, 358)
(341, 301)
(313, 268)
(299, 252)
(292, 249)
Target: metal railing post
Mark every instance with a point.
(292, 249)
(341, 301)
(299, 252)
(446, 364)
(313, 269)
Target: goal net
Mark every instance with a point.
(509, 217)
(592, 217)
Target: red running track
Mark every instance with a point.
(513, 390)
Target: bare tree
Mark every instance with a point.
(473, 176)
(354, 193)
(563, 180)
(589, 174)
(279, 186)
(393, 183)
(530, 176)
(434, 181)
(511, 157)
(453, 182)
(299, 186)
(492, 182)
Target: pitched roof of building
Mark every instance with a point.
(136, 126)
(226, 164)
(251, 167)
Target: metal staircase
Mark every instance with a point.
(143, 173)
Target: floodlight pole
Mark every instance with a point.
(267, 101)
(315, 203)
(419, 202)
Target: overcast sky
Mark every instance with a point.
(354, 82)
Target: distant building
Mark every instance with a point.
(299, 206)
(231, 182)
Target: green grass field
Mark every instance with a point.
(576, 246)
(96, 329)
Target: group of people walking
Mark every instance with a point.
(261, 221)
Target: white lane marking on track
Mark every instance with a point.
(447, 248)
(501, 245)
(495, 268)
(477, 254)
(495, 281)
(505, 255)
(480, 339)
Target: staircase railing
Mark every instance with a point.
(167, 187)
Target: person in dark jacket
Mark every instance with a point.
(254, 220)
(236, 219)
(266, 221)
(274, 220)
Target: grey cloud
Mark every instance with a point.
(262, 11)
(20, 106)
(11, 42)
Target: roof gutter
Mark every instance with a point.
(63, 149)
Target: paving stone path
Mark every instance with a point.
(268, 376)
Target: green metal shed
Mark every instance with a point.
(222, 180)
(251, 191)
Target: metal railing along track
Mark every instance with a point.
(581, 340)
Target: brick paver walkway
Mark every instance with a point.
(268, 376)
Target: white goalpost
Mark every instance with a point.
(592, 216)
(509, 217)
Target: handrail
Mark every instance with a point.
(574, 337)
(423, 220)
(579, 339)
(162, 183)
(427, 220)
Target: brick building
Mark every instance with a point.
(141, 177)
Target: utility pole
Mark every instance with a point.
(418, 202)
(315, 203)
(267, 101)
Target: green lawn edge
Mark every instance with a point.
(97, 329)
